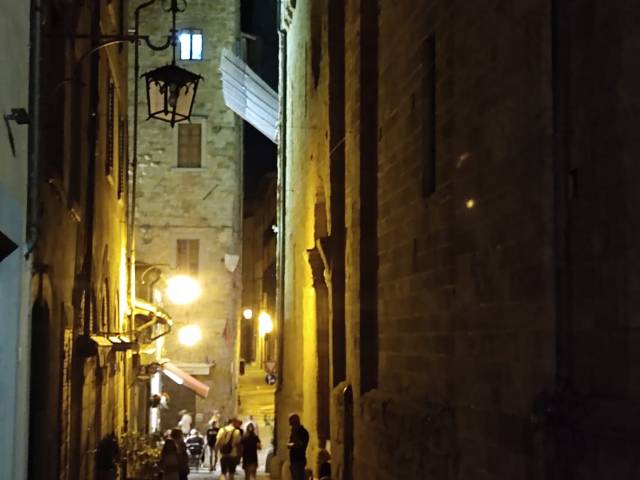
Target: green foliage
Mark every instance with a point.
(141, 453)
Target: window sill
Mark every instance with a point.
(188, 169)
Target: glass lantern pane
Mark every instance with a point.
(156, 98)
(185, 99)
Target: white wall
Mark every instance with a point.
(14, 271)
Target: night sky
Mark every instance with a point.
(259, 18)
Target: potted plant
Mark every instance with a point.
(141, 455)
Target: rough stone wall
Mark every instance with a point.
(201, 203)
(79, 285)
(497, 338)
(259, 249)
(596, 106)
(14, 269)
(306, 192)
(464, 290)
(465, 277)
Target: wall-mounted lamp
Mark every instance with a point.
(265, 324)
(183, 289)
(190, 335)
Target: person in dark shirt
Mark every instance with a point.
(195, 447)
(298, 441)
(211, 434)
(183, 456)
(250, 447)
(107, 455)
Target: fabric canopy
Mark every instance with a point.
(183, 378)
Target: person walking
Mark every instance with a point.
(169, 460)
(251, 421)
(211, 435)
(298, 441)
(185, 422)
(107, 455)
(183, 456)
(250, 447)
(229, 444)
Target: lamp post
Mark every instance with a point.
(171, 92)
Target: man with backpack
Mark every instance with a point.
(229, 445)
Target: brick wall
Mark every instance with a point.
(596, 102)
(489, 309)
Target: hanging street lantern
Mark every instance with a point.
(171, 91)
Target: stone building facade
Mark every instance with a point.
(259, 271)
(188, 203)
(81, 389)
(458, 241)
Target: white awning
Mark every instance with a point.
(248, 95)
(183, 378)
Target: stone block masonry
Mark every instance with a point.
(472, 161)
(201, 204)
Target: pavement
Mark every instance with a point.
(216, 475)
(257, 399)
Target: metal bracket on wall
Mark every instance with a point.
(21, 117)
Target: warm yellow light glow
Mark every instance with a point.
(183, 289)
(247, 313)
(470, 203)
(189, 335)
(265, 324)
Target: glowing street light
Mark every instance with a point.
(183, 289)
(265, 324)
(189, 335)
(247, 314)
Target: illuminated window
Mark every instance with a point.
(190, 44)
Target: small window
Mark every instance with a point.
(189, 145)
(190, 44)
(187, 256)
(429, 84)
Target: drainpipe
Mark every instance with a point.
(35, 40)
(281, 205)
(20, 448)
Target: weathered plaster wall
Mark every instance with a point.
(79, 284)
(14, 81)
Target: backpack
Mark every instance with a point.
(227, 446)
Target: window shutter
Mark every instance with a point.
(188, 256)
(190, 145)
(122, 156)
(110, 126)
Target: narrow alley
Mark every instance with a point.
(319, 239)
